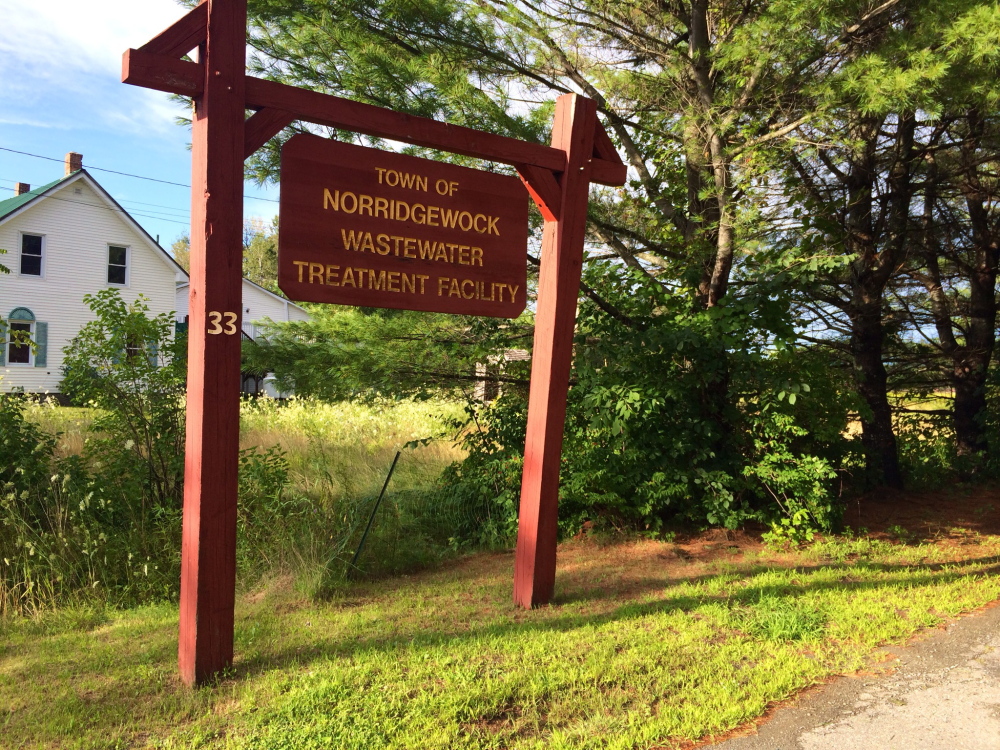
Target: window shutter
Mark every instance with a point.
(3, 344)
(41, 344)
(153, 351)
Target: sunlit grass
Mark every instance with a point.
(345, 450)
(640, 649)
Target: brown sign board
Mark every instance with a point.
(362, 226)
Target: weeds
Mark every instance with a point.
(75, 529)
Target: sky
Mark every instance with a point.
(61, 91)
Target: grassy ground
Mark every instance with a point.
(344, 450)
(647, 645)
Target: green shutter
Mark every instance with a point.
(3, 344)
(41, 344)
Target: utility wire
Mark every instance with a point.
(174, 209)
(125, 174)
(108, 208)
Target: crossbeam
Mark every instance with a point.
(163, 73)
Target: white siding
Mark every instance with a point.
(258, 304)
(78, 229)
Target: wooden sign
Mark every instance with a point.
(427, 236)
(361, 226)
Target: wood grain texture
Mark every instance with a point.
(208, 547)
(558, 291)
(162, 73)
(603, 147)
(262, 126)
(182, 36)
(372, 228)
(543, 188)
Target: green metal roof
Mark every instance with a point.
(12, 204)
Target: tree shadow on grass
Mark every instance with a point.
(544, 619)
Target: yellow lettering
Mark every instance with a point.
(383, 244)
(409, 280)
(492, 225)
(364, 204)
(463, 255)
(400, 205)
(442, 283)
(381, 208)
(343, 203)
(432, 214)
(367, 244)
(471, 294)
(475, 223)
(380, 171)
(332, 272)
(392, 177)
(424, 278)
(453, 289)
(477, 256)
(315, 273)
(448, 217)
(351, 241)
(331, 200)
(392, 281)
(376, 281)
(423, 213)
(347, 278)
(463, 217)
(301, 264)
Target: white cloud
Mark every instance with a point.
(72, 35)
(60, 63)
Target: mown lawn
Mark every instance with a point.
(648, 644)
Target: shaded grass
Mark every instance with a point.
(69, 422)
(640, 649)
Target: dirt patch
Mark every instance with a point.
(949, 513)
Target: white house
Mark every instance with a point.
(64, 240)
(258, 305)
(70, 238)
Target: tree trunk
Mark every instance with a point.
(972, 361)
(870, 273)
(877, 436)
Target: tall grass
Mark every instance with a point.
(310, 472)
(338, 457)
(342, 451)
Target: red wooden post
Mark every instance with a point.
(558, 289)
(208, 553)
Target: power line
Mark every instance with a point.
(125, 174)
(107, 208)
(173, 209)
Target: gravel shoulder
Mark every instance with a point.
(939, 693)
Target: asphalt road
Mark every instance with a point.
(942, 693)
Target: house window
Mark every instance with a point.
(117, 264)
(18, 349)
(31, 255)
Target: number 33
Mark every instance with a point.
(215, 319)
